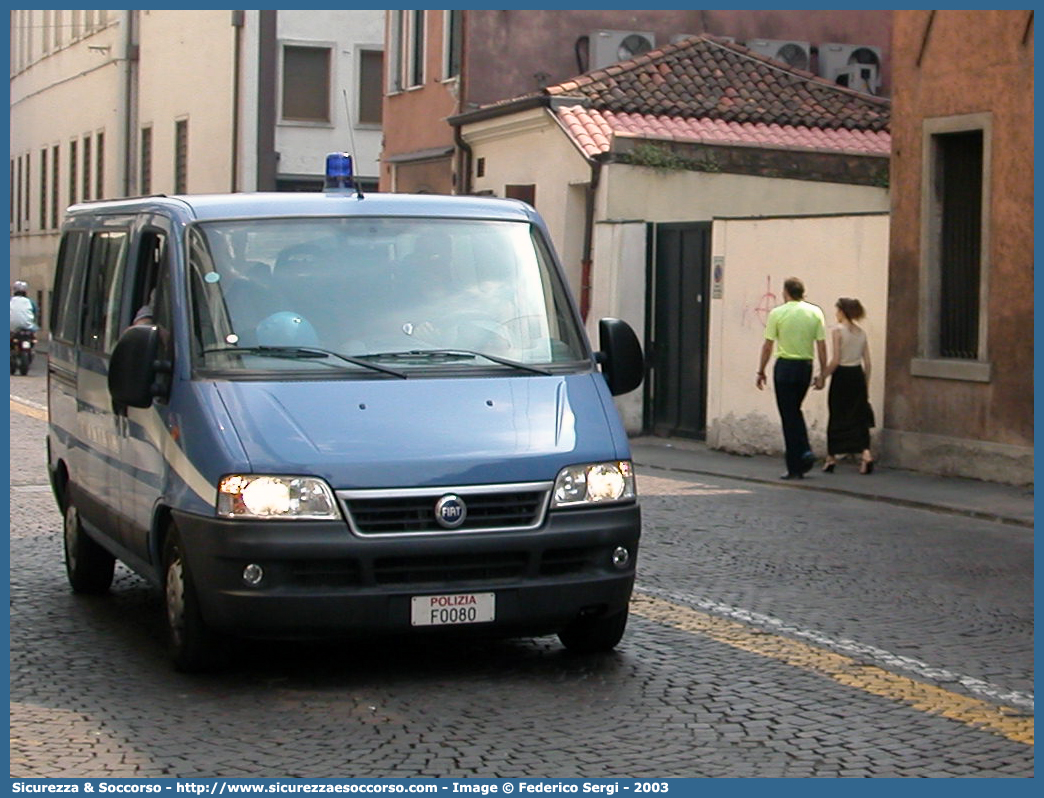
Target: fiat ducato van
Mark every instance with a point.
(305, 415)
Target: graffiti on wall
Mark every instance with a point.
(755, 313)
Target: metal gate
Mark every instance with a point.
(679, 266)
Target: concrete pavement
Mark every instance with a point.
(988, 500)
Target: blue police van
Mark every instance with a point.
(305, 415)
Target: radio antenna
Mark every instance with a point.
(351, 138)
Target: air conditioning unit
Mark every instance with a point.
(848, 65)
(795, 54)
(860, 77)
(610, 46)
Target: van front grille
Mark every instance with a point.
(413, 512)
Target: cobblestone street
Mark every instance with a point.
(841, 638)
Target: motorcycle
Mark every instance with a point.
(22, 344)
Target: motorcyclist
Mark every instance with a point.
(23, 328)
(23, 309)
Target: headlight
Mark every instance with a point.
(594, 483)
(254, 496)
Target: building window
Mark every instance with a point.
(99, 166)
(955, 251)
(59, 33)
(27, 188)
(43, 189)
(452, 42)
(16, 193)
(395, 42)
(72, 172)
(306, 84)
(416, 48)
(525, 192)
(55, 185)
(145, 168)
(181, 156)
(371, 68)
(86, 168)
(959, 197)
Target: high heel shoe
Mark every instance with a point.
(829, 467)
(866, 467)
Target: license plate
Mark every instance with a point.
(453, 609)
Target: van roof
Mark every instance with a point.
(269, 204)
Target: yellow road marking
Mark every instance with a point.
(842, 669)
(28, 410)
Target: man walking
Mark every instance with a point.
(795, 328)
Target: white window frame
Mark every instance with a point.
(393, 56)
(332, 82)
(359, 50)
(447, 26)
(413, 36)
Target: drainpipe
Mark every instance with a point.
(237, 69)
(463, 161)
(585, 262)
(464, 155)
(128, 111)
(267, 58)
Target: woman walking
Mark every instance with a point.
(848, 428)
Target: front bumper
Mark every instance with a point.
(322, 580)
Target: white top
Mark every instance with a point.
(853, 343)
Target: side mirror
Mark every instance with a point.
(621, 356)
(135, 367)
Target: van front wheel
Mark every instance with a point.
(192, 645)
(594, 635)
(89, 567)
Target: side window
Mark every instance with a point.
(68, 286)
(101, 301)
(152, 255)
(162, 315)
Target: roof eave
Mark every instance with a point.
(514, 106)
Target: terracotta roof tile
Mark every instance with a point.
(706, 77)
(592, 129)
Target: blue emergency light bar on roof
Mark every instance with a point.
(338, 172)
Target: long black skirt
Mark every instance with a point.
(848, 429)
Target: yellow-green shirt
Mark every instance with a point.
(795, 326)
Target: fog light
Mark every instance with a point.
(621, 557)
(253, 574)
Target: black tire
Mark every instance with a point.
(594, 635)
(14, 368)
(23, 363)
(88, 566)
(192, 645)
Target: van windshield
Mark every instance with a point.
(376, 295)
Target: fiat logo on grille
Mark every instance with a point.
(450, 511)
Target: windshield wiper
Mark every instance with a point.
(454, 354)
(302, 352)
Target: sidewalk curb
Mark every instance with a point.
(801, 485)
